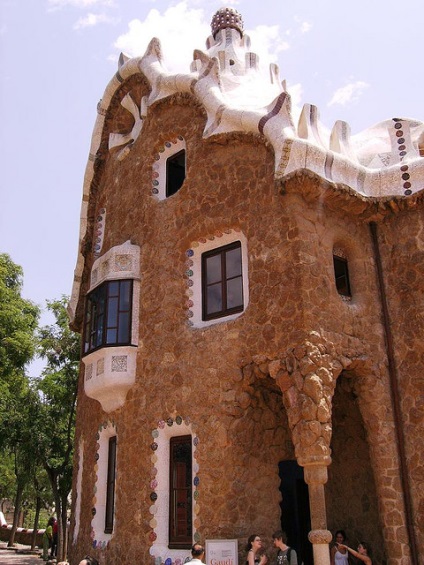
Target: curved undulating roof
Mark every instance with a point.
(380, 162)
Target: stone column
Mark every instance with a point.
(316, 476)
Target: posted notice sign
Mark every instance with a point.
(221, 552)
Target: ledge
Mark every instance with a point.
(109, 375)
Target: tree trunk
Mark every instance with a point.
(35, 526)
(18, 504)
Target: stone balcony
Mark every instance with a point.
(109, 374)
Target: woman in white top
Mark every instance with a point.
(363, 553)
(254, 546)
(338, 555)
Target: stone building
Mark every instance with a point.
(250, 296)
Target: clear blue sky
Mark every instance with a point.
(357, 61)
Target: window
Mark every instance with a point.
(175, 172)
(110, 485)
(341, 274)
(222, 281)
(180, 500)
(108, 315)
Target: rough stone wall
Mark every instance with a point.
(402, 247)
(213, 375)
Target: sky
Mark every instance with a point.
(356, 61)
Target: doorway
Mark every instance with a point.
(295, 513)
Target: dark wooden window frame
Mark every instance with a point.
(224, 311)
(180, 492)
(175, 173)
(110, 485)
(341, 276)
(97, 323)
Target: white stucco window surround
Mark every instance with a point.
(110, 371)
(159, 486)
(78, 490)
(170, 148)
(100, 538)
(194, 275)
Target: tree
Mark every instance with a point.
(57, 402)
(18, 321)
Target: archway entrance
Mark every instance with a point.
(295, 513)
(351, 495)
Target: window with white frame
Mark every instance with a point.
(169, 168)
(217, 286)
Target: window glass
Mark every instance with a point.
(125, 296)
(213, 269)
(108, 315)
(214, 298)
(233, 263)
(124, 327)
(112, 312)
(222, 281)
(234, 293)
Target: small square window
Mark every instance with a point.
(341, 274)
(222, 281)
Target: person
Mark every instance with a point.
(253, 548)
(197, 553)
(88, 561)
(363, 553)
(285, 553)
(339, 556)
(53, 550)
(47, 538)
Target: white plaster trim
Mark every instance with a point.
(194, 290)
(160, 508)
(98, 522)
(78, 490)
(170, 148)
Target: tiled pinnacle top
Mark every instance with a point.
(227, 18)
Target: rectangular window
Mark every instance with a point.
(108, 315)
(110, 486)
(180, 498)
(222, 281)
(341, 274)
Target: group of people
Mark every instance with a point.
(339, 554)
(286, 555)
(50, 539)
(255, 552)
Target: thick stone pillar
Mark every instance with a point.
(316, 476)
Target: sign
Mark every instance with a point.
(221, 552)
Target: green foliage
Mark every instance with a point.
(58, 389)
(18, 321)
(37, 416)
